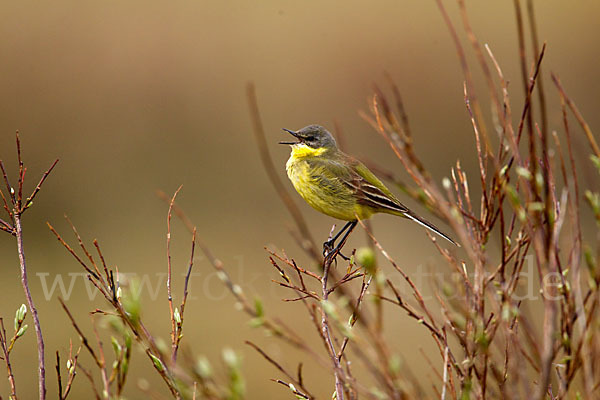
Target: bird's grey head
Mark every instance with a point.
(314, 136)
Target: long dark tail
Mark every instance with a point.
(372, 196)
(428, 225)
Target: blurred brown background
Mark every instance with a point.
(138, 96)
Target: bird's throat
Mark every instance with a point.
(301, 151)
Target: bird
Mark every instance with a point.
(339, 185)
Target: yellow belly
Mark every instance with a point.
(331, 199)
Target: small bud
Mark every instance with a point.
(524, 172)
(536, 206)
(505, 312)
(222, 276)
(177, 316)
(446, 183)
(455, 213)
(258, 307)
(203, 367)
(20, 316)
(365, 256)
(596, 161)
(352, 320)
(22, 330)
(22, 312)
(230, 358)
(447, 289)
(482, 339)
(70, 367)
(237, 290)
(513, 195)
(124, 367)
(539, 180)
(116, 345)
(395, 363)
(157, 363)
(256, 322)
(128, 342)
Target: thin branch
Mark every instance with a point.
(297, 381)
(82, 337)
(326, 332)
(31, 305)
(58, 376)
(6, 356)
(174, 341)
(183, 301)
(29, 200)
(586, 128)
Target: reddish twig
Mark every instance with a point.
(174, 341)
(6, 356)
(15, 211)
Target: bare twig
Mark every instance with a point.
(297, 381)
(183, 301)
(586, 128)
(174, 333)
(326, 331)
(82, 337)
(6, 357)
(15, 211)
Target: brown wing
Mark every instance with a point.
(371, 196)
(371, 192)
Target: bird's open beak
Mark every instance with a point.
(293, 134)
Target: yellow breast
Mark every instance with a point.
(329, 199)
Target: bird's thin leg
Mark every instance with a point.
(329, 244)
(335, 251)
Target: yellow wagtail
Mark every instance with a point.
(339, 185)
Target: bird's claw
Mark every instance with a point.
(330, 251)
(327, 247)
